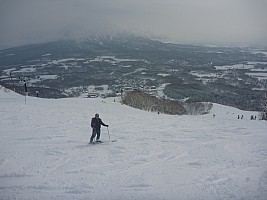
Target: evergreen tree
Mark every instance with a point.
(264, 107)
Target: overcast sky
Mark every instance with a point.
(223, 22)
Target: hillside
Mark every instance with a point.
(44, 152)
(232, 76)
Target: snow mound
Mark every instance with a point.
(7, 93)
(225, 112)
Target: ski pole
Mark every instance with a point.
(108, 135)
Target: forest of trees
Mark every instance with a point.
(242, 98)
(264, 107)
(144, 101)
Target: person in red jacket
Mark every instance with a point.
(96, 123)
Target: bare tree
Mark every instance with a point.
(143, 101)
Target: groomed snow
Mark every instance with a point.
(44, 152)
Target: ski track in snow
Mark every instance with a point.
(45, 152)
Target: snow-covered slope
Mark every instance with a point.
(44, 152)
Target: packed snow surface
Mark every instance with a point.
(44, 152)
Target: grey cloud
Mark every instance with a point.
(186, 21)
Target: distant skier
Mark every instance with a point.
(96, 123)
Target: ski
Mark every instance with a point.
(101, 142)
(96, 142)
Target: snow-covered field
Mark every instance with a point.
(44, 152)
(260, 76)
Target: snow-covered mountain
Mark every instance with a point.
(44, 152)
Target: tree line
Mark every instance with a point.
(144, 101)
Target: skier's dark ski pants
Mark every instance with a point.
(95, 132)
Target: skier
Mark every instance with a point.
(96, 125)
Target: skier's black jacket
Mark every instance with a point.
(96, 123)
